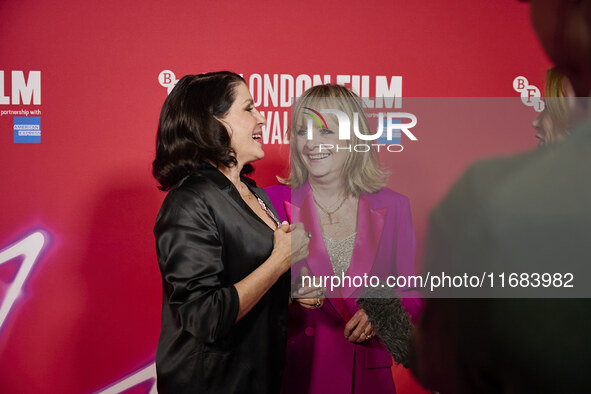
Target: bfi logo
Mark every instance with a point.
(167, 80)
(27, 89)
(530, 94)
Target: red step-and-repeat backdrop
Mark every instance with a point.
(81, 87)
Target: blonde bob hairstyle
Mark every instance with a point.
(362, 171)
(557, 89)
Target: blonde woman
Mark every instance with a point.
(357, 227)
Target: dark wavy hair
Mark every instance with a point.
(189, 133)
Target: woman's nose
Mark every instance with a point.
(536, 122)
(260, 118)
(312, 142)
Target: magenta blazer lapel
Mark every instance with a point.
(318, 259)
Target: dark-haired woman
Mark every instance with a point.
(222, 253)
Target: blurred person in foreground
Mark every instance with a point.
(357, 227)
(530, 212)
(223, 255)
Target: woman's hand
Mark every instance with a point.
(359, 329)
(252, 288)
(300, 241)
(309, 297)
(290, 244)
(282, 246)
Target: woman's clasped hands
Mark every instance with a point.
(290, 243)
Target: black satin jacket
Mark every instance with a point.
(207, 239)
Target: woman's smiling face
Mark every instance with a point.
(322, 154)
(244, 124)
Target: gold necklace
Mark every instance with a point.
(326, 211)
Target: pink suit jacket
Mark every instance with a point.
(319, 358)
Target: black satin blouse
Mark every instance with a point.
(207, 239)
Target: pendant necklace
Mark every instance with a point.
(327, 212)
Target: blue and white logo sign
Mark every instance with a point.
(27, 129)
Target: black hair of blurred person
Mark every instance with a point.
(189, 132)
